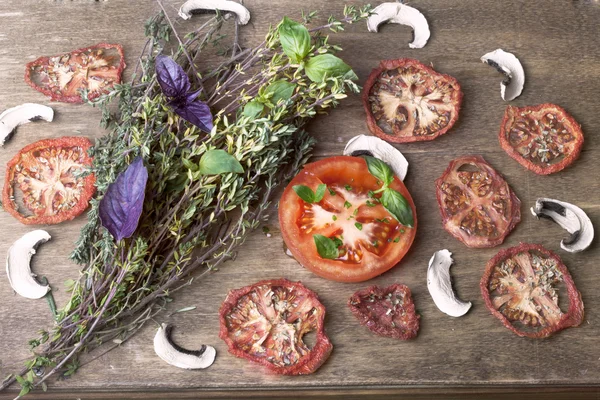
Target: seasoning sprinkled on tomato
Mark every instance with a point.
(407, 101)
(477, 205)
(266, 323)
(94, 69)
(348, 236)
(45, 182)
(544, 138)
(387, 311)
(522, 286)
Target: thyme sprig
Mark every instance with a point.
(192, 222)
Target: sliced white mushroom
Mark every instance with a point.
(398, 13)
(440, 285)
(510, 66)
(243, 15)
(571, 218)
(13, 117)
(18, 270)
(179, 357)
(363, 145)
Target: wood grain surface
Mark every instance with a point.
(558, 42)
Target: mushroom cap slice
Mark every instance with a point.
(509, 65)
(11, 118)
(439, 285)
(362, 145)
(179, 357)
(243, 15)
(571, 218)
(398, 13)
(18, 269)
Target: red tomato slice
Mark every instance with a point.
(43, 182)
(544, 138)
(62, 77)
(372, 241)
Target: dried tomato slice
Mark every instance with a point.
(544, 138)
(386, 311)
(62, 77)
(477, 205)
(407, 101)
(521, 287)
(266, 323)
(45, 178)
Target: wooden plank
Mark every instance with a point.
(558, 44)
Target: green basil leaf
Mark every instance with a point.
(327, 248)
(295, 39)
(380, 170)
(280, 90)
(215, 162)
(320, 192)
(253, 109)
(305, 193)
(398, 206)
(327, 65)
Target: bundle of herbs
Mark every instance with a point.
(179, 187)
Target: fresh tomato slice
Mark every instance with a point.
(43, 183)
(477, 205)
(370, 240)
(521, 287)
(62, 77)
(407, 101)
(266, 323)
(544, 138)
(387, 311)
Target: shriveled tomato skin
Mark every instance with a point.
(88, 190)
(574, 149)
(405, 63)
(380, 321)
(44, 61)
(512, 220)
(307, 364)
(573, 317)
(304, 251)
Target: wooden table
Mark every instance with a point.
(558, 42)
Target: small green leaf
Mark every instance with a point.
(215, 162)
(326, 247)
(326, 66)
(305, 193)
(338, 242)
(280, 90)
(332, 192)
(398, 206)
(358, 226)
(348, 188)
(26, 389)
(253, 109)
(320, 192)
(347, 204)
(295, 39)
(397, 239)
(380, 170)
(334, 217)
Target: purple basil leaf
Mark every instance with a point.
(172, 79)
(122, 205)
(197, 112)
(191, 96)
